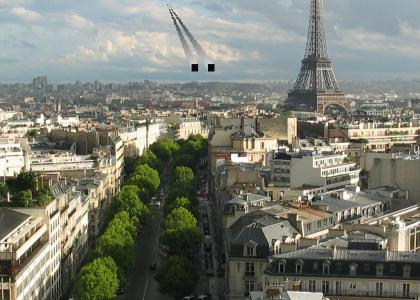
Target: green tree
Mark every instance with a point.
(196, 146)
(181, 233)
(3, 191)
(149, 158)
(128, 200)
(97, 280)
(23, 199)
(180, 190)
(147, 172)
(183, 175)
(176, 277)
(118, 243)
(165, 149)
(26, 181)
(185, 160)
(129, 165)
(32, 133)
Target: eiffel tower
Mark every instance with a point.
(316, 87)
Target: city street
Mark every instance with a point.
(142, 285)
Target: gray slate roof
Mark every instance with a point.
(9, 220)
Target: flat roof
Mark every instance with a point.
(10, 220)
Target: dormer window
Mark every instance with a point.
(380, 270)
(326, 267)
(249, 251)
(406, 271)
(353, 269)
(282, 267)
(299, 267)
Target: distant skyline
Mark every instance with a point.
(127, 40)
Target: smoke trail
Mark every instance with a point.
(194, 42)
(184, 43)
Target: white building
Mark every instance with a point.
(67, 221)
(26, 264)
(328, 170)
(12, 160)
(138, 139)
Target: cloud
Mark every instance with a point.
(26, 14)
(76, 21)
(364, 40)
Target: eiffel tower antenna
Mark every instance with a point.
(316, 87)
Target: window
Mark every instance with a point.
(379, 270)
(353, 270)
(392, 268)
(316, 266)
(338, 287)
(250, 251)
(249, 269)
(326, 287)
(406, 290)
(339, 267)
(282, 268)
(379, 288)
(249, 286)
(299, 268)
(406, 271)
(312, 285)
(326, 269)
(366, 267)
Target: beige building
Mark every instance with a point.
(391, 169)
(378, 137)
(67, 220)
(186, 126)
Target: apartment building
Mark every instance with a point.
(67, 219)
(330, 171)
(137, 139)
(358, 271)
(249, 241)
(26, 265)
(12, 160)
(393, 169)
(378, 137)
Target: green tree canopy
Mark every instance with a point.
(23, 199)
(176, 277)
(97, 280)
(181, 190)
(183, 175)
(181, 232)
(118, 243)
(196, 146)
(149, 158)
(128, 200)
(185, 160)
(147, 172)
(26, 181)
(165, 149)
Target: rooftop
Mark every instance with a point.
(10, 220)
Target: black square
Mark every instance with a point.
(194, 67)
(211, 68)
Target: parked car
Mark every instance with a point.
(153, 266)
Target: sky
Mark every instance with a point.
(248, 40)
